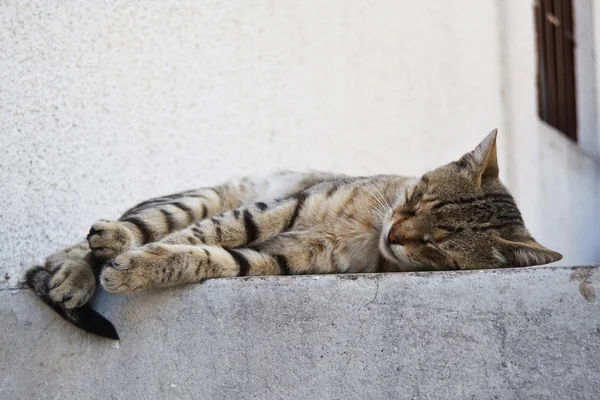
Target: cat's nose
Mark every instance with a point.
(395, 238)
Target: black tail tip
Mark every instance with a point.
(92, 322)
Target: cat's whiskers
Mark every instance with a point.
(383, 209)
(383, 214)
(381, 200)
(382, 197)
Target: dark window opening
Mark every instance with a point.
(556, 64)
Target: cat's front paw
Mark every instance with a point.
(108, 239)
(73, 284)
(135, 269)
(121, 274)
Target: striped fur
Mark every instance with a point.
(458, 216)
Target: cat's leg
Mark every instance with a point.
(247, 225)
(153, 219)
(71, 281)
(205, 250)
(158, 265)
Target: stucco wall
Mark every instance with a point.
(103, 104)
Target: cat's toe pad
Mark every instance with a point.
(74, 284)
(108, 239)
(117, 280)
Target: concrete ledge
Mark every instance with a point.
(527, 333)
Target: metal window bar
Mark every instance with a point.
(556, 64)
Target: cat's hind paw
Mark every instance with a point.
(73, 284)
(108, 239)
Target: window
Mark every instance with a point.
(556, 65)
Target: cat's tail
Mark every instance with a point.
(38, 279)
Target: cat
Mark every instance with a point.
(457, 217)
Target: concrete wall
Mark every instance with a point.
(103, 104)
(509, 334)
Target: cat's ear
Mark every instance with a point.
(525, 253)
(482, 162)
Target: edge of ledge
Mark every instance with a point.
(376, 275)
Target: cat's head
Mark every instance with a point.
(460, 216)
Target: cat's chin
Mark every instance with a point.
(404, 263)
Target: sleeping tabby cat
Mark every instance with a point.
(458, 216)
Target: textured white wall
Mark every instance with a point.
(103, 104)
